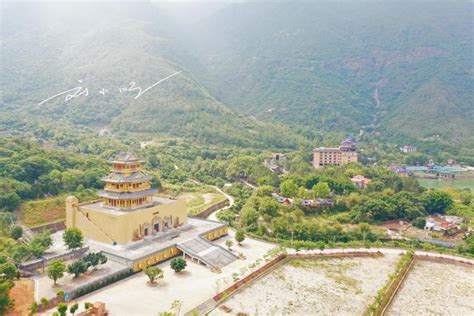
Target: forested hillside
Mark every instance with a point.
(254, 74)
(403, 68)
(110, 52)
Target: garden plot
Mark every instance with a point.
(326, 286)
(433, 288)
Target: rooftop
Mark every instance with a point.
(123, 157)
(137, 176)
(126, 195)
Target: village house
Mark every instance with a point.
(360, 181)
(408, 149)
(282, 199)
(276, 163)
(317, 203)
(446, 224)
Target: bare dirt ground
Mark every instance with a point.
(22, 293)
(433, 288)
(332, 286)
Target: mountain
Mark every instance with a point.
(403, 68)
(108, 52)
(259, 73)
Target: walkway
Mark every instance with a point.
(231, 199)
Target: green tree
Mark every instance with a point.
(178, 264)
(321, 190)
(239, 237)
(77, 268)
(5, 301)
(289, 188)
(466, 196)
(73, 238)
(419, 222)
(62, 309)
(153, 273)
(248, 218)
(8, 271)
(16, 232)
(74, 307)
(93, 259)
(229, 243)
(9, 201)
(268, 206)
(264, 190)
(226, 216)
(34, 308)
(436, 201)
(20, 253)
(56, 270)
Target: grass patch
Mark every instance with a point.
(40, 212)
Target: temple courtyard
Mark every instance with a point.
(197, 283)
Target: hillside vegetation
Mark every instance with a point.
(258, 74)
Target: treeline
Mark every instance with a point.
(28, 171)
(387, 197)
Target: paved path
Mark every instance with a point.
(231, 199)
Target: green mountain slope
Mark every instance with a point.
(341, 65)
(110, 51)
(248, 73)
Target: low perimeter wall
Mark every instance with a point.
(33, 265)
(204, 214)
(210, 304)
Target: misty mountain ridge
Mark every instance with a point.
(402, 69)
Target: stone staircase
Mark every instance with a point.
(212, 255)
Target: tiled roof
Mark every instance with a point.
(137, 176)
(126, 195)
(125, 157)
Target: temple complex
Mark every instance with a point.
(134, 226)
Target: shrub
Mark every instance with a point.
(178, 264)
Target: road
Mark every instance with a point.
(231, 199)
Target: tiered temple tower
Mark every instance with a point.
(127, 187)
(128, 211)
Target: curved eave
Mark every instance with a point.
(125, 162)
(117, 178)
(126, 195)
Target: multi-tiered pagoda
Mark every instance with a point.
(127, 187)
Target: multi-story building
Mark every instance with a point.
(129, 210)
(341, 155)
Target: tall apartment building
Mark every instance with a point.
(344, 154)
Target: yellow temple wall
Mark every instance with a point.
(123, 227)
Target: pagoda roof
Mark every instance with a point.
(125, 157)
(137, 176)
(126, 195)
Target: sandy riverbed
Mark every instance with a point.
(433, 288)
(314, 287)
